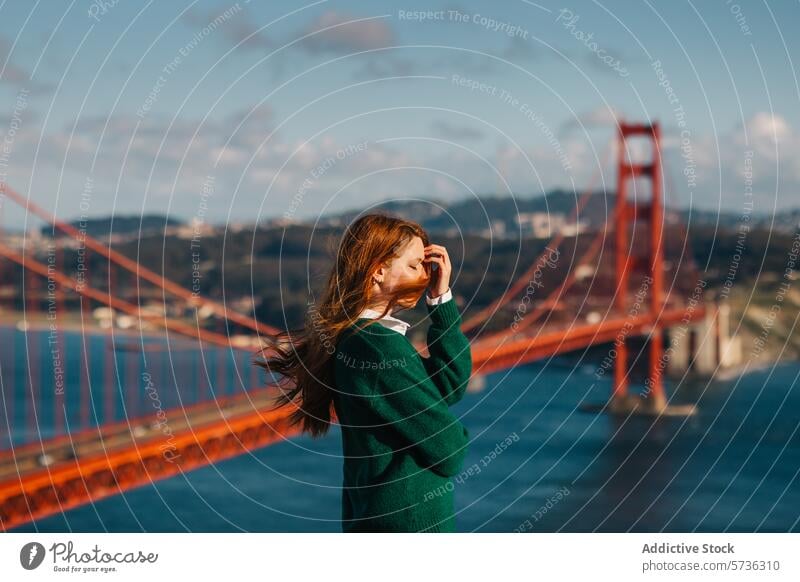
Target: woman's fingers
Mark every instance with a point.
(438, 254)
(438, 249)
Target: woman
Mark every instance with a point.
(401, 443)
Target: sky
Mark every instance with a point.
(230, 112)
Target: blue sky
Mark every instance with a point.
(229, 111)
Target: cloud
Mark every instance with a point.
(17, 76)
(154, 164)
(247, 36)
(441, 62)
(776, 145)
(11, 73)
(519, 49)
(239, 30)
(761, 154)
(383, 66)
(600, 116)
(452, 132)
(344, 33)
(767, 127)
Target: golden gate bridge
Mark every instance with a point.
(43, 472)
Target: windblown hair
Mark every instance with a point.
(303, 358)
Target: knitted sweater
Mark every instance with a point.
(401, 443)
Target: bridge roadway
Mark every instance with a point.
(50, 477)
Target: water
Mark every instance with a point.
(732, 467)
(117, 382)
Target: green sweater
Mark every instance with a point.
(401, 443)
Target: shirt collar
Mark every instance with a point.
(388, 321)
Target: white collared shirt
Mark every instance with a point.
(399, 325)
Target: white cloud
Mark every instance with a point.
(600, 116)
(766, 126)
(254, 165)
(345, 33)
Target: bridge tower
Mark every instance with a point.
(630, 213)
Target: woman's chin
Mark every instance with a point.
(408, 303)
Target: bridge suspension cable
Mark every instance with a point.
(554, 243)
(108, 299)
(137, 269)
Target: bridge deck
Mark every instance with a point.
(126, 436)
(57, 475)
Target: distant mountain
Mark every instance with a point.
(478, 215)
(785, 220)
(121, 225)
(500, 214)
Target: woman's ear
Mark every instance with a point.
(377, 276)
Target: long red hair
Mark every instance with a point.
(303, 358)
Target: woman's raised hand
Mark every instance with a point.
(440, 278)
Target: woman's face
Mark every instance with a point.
(407, 268)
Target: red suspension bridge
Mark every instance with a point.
(135, 421)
